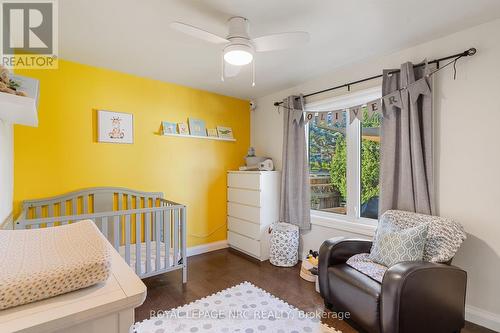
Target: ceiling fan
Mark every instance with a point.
(239, 49)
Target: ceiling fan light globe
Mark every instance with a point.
(238, 55)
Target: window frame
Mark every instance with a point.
(352, 221)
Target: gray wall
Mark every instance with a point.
(467, 153)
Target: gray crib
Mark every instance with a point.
(147, 230)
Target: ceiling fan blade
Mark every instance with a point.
(231, 70)
(281, 41)
(198, 33)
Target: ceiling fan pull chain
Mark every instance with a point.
(223, 68)
(253, 73)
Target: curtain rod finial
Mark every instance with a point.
(471, 51)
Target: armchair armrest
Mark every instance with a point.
(336, 251)
(412, 291)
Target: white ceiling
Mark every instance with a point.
(133, 36)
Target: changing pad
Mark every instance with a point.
(42, 263)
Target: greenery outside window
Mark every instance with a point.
(344, 159)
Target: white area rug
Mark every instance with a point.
(243, 308)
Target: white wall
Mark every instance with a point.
(467, 137)
(6, 170)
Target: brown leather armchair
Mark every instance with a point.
(413, 296)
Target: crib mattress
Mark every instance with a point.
(42, 263)
(163, 254)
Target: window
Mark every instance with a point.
(344, 158)
(370, 164)
(328, 164)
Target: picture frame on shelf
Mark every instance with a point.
(225, 132)
(212, 132)
(197, 127)
(169, 127)
(115, 127)
(183, 128)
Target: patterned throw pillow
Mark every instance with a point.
(392, 247)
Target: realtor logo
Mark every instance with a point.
(29, 34)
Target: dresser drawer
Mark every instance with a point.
(246, 244)
(247, 213)
(249, 181)
(246, 197)
(241, 227)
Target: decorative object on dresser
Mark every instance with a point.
(253, 205)
(253, 163)
(266, 165)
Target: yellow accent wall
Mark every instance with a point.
(63, 154)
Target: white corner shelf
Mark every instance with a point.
(18, 110)
(199, 137)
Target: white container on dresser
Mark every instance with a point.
(253, 199)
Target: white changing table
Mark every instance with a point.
(103, 308)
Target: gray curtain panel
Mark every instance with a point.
(295, 206)
(406, 163)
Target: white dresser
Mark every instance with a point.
(253, 199)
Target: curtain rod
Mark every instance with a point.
(468, 53)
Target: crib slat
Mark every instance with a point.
(104, 226)
(176, 237)
(138, 244)
(50, 209)
(62, 211)
(157, 239)
(62, 208)
(50, 213)
(120, 203)
(74, 207)
(85, 204)
(116, 232)
(127, 239)
(166, 237)
(147, 239)
(38, 214)
(183, 244)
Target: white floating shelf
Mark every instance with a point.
(200, 137)
(18, 110)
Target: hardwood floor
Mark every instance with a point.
(214, 271)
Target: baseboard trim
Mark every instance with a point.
(482, 317)
(204, 248)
